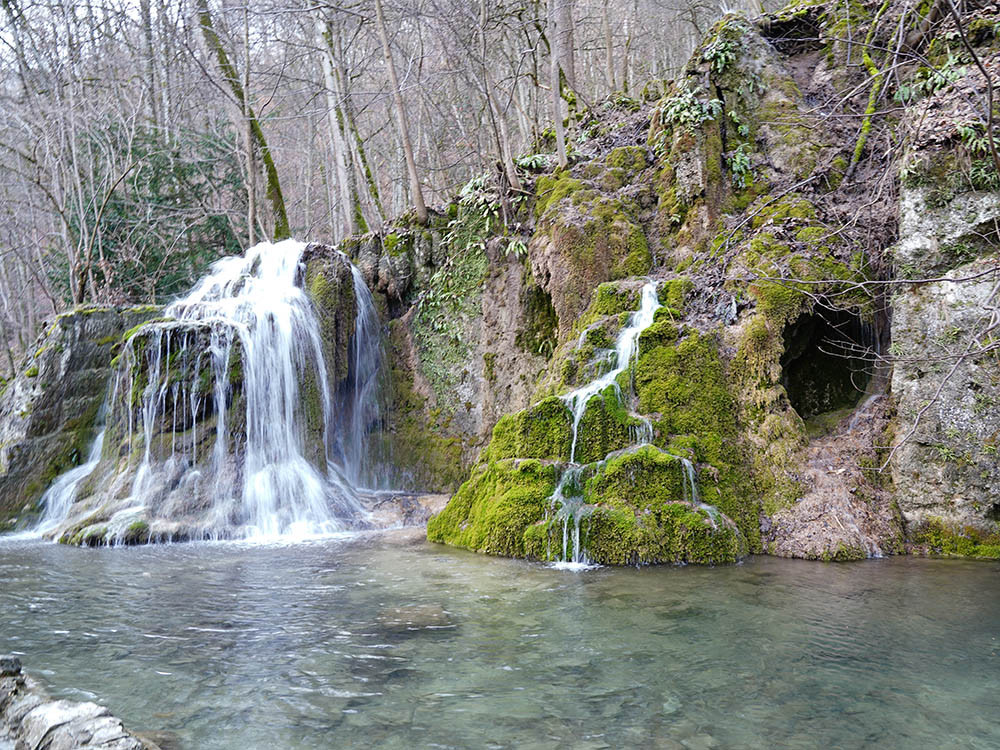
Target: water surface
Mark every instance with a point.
(362, 643)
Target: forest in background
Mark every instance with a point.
(142, 139)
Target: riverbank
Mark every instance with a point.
(31, 720)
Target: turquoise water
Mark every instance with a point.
(362, 643)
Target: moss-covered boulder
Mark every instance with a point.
(492, 510)
(47, 412)
(590, 229)
(329, 284)
(543, 431)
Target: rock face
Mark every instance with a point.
(47, 412)
(699, 451)
(32, 721)
(784, 372)
(947, 382)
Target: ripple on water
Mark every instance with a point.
(351, 643)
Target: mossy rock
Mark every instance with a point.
(936, 537)
(605, 427)
(635, 513)
(628, 158)
(492, 510)
(544, 431)
(424, 455)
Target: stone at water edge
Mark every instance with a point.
(10, 665)
(30, 719)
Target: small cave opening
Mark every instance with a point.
(827, 364)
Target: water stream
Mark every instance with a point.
(241, 433)
(362, 644)
(59, 497)
(625, 348)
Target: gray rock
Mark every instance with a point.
(42, 721)
(29, 720)
(47, 411)
(10, 665)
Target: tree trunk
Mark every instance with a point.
(609, 57)
(498, 117)
(404, 136)
(229, 74)
(346, 187)
(555, 84)
(369, 210)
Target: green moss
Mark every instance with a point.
(605, 426)
(663, 332)
(452, 299)
(981, 31)
(417, 437)
(492, 510)
(136, 533)
(938, 538)
(792, 206)
(845, 553)
(778, 301)
(638, 260)
(545, 430)
(629, 158)
(611, 299)
(550, 190)
(683, 383)
(136, 328)
(674, 292)
(645, 478)
(641, 515)
(541, 324)
(31, 372)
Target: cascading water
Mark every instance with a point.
(231, 399)
(625, 348)
(571, 511)
(360, 457)
(567, 497)
(568, 509)
(59, 497)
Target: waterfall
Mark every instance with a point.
(691, 491)
(625, 348)
(571, 509)
(571, 512)
(232, 402)
(59, 497)
(361, 459)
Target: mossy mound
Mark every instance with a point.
(637, 510)
(590, 229)
(492, 510)
(544, 431)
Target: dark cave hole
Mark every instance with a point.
(827, 362)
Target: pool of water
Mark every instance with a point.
(365, 643)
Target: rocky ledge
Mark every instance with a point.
(30, 720)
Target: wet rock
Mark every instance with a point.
(401, 509)
(29, 720)
(10, 665)
(47, 412)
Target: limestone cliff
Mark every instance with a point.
(830, 377)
